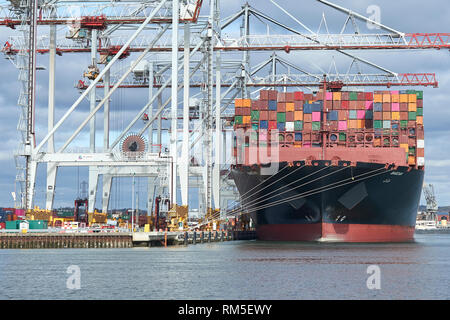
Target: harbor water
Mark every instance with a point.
(231, 270)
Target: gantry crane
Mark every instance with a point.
(205, 55)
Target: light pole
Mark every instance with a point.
(132, 206)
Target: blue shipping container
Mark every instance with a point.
(272, 105)
(307, 108)
(298, 136)
(281, 126)
(378, 107)
(263, 124)
(333, 115)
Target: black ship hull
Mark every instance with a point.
(368, 202)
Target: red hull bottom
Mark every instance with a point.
(335, 232)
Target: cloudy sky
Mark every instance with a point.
(408, 16)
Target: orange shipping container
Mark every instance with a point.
(395, 98)
(290, 106)
(353, 124)
(412, 106)
(412, 98)
(246, 119)
(386, 98)
(386, 115)
(403, 98)
(419, 120)
(337, 96)
(405, 146)
(246, 103)
(238, 103)
(360, 124)
(378, 98)
(298, 115)
(411, 160)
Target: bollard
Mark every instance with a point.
(194, 238)
(202, 238)
(186, 238)
(209, 236)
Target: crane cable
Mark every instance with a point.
(318, 190)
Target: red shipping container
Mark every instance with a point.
(343, 115)
(361, 96)
(333, 125)
(238, 111)
(290, 116)
(420, 152)
(361, 105)
(272, 116)
(353, 105)
(378, 116)
(298, 95)
(345, 105)
(298, 105)
(419, 103)
(329, 104)
(255, 105)
(403, 106)
(264, 95)
(403, 139)
(273, 95)
(386, 106)
(289, 97)
(337, 104)
(307, 126)
(369, 96)
(403, 115)
(281, 107)
(307, 117)
(345, 96)
(308, 96)
(272, 125)
(264, 115)
(411, 124)
(263, 105)
(420, 132)
(246, 111)
(281, 97)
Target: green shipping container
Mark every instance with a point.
(419, 111)
(255, 115)
(342, 136)
(238, 120)
(412, 151)
(316, 126)
(419, 95)
(412, 115)
(38, 224)
(281, 117)
(255, 126)
(298, 125)
(403, 123)
(12, 224)
(353, 96)
(378, 124)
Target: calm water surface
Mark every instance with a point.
(233, 270)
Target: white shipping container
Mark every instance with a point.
(420, 161)
(420, 144)
(290, 126)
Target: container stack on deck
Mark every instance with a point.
(388, 119)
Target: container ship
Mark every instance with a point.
(330, 166)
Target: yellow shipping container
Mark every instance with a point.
(238, 103)
(298, 115)
(246, 119)
(412, 160)
(290, 106)
(403, 98)
(395, 98)
(419, 120)
(337, 96)
(377, 98)
(386, 98)
(412, 106)
(412, 98)
(405, 146)
(395, 115)
(360, 124)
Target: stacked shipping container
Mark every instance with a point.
(389, 119)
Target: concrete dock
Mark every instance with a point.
(42, 240)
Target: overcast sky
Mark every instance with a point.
(407, 16)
